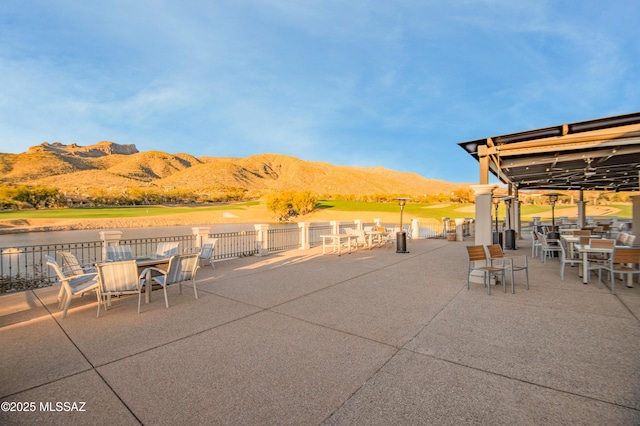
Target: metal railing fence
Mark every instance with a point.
(25, 266)
(283, 238)
(235, 244)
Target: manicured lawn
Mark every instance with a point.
(435, 211)
(459, 210)
(117, 212)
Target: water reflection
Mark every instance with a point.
(62, 237)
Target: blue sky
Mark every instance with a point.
(362, 83)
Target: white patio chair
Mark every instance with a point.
(72, 265)
(167, 248)
(72, 269)
(621, 239)
(119, 278)
(546, 248)
(117, 253)
(385, 236)
(631, 239)
(71, 286)
(535, 244)
(361, 238)
(206, 253)
(181, 269)
(565, 260)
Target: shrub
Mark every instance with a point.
(287, 205)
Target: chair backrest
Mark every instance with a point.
(118, 252)
(362, 237)
(600, 243)
(182, 268)
(630, 240)
(534, 236)
(495, 251)
(584, 240)
(118, 276)
(621, 239)
(542, 239)
(579, 232)
(167, 248)
(207, 248)
(563, 249)
(71, 262)
(54, 264)
(626, 255)
(476, 253)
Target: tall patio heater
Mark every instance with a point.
(497, 235)
(553, 234)
(553, 197)
(401, 236)
(509, 233)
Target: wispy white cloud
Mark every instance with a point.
(364, 82)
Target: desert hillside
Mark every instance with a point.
(109, 165)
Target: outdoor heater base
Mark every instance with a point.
(401, 242)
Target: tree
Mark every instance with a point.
(287, 205)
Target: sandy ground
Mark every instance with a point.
(571, 212)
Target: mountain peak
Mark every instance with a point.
(99, 149)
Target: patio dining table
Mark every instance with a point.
(150, 262)
(571, 241)
(584, 250)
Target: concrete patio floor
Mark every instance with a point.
(374, 337)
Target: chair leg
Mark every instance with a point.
(61, 294)
(487, 281)
(195, 291)
(166, 299)
(600, 278)
(613, 285)
(66, 306)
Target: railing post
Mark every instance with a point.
(358, 223)
(415, 229)
(335, 227)
(201, 233)
(304, 235)
(262, 239)
(377, 222)
(109, 238)
(460, 229)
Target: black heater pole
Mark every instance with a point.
(401, 236)
(497, 236)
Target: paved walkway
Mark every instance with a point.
(375, 337)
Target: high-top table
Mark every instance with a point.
(334, 241)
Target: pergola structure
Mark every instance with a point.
(601, 154)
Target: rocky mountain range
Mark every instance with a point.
(108, 165)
